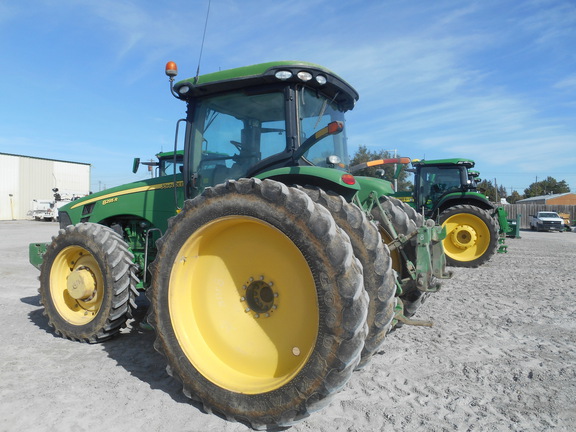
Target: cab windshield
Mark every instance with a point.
(232, 132)
(236, 133)
(168, 167)
(437, 181)
(314, 113)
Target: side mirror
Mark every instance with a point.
(135, 165)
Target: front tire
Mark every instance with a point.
(258, 304)
(87, 283)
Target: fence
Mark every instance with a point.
(526, 210)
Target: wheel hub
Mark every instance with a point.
(81, 284)
(259, 297)
(463, 236)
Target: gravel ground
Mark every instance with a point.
(500, 357)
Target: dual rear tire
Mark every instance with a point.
(405, 220)
(374, 255)
(259, 305)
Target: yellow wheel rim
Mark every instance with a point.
(467, 237)
(76, 285)
(243, 305)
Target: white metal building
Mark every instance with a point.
(26, 178)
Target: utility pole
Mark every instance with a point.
(395, 179)
(496, 189)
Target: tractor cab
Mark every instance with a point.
(436, 179)
(474, 179)
(245, 121)
(169, 163)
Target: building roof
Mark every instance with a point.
(543, 197)
(41, 158)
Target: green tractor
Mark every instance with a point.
(272, 272)
(446, 191)
(169, 163)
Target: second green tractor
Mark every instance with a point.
(446, 191)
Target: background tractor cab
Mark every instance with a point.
(169, 163)
(438, 182)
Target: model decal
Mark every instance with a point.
(106, 199)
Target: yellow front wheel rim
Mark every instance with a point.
(76, 285)
(467, 237)
(243, 305)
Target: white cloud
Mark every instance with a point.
(567, 83)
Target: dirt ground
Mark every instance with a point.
(500, 357)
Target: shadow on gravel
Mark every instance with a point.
(36, 316)
(133, 350)
(32, 300)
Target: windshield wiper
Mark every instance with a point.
(332, 128)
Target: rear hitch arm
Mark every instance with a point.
(430, 258)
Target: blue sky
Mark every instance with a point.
(489, 80)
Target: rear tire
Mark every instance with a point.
(257, 302)
(374, 255)
(471, 235)
(87, 283)
(405, 221)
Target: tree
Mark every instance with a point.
(546, 187)
(514, 196)
(487, 188)
(364, 155)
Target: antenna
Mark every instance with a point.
(202, 46)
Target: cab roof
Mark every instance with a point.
(268, 73)
(468, 163)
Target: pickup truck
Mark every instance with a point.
(45, 209)
(546, 221)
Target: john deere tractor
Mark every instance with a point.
(272, 272)
(168, 163)
(445, 190)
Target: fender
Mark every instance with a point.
(341, 182)
(474, 198)
(371, 184)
